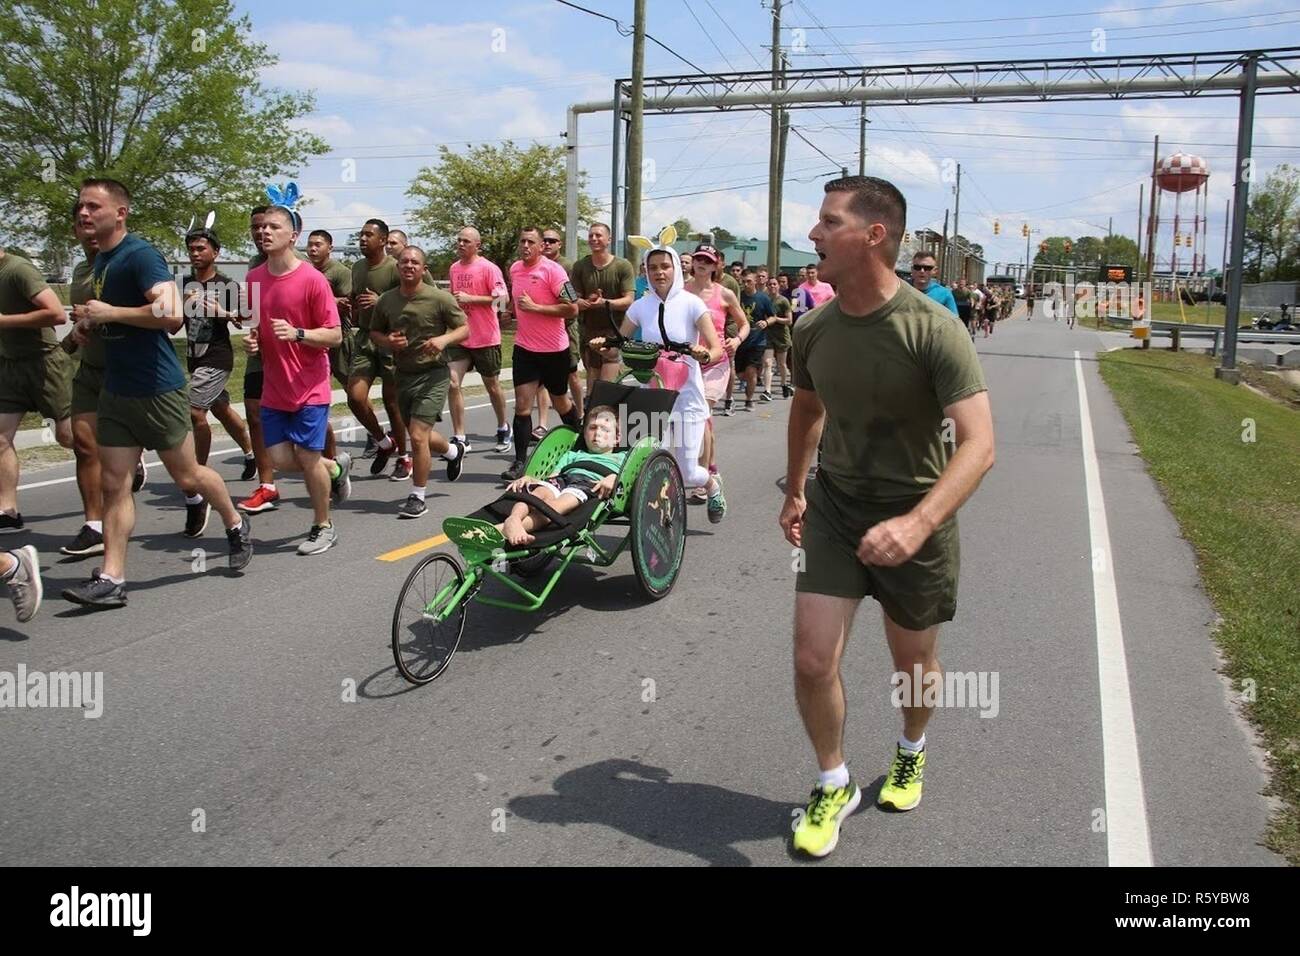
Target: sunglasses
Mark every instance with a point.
(550, 242)
(923, 268)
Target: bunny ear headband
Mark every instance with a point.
(666, 240)
(286, 199)
(206, 232)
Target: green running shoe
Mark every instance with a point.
(902, 787)
(819, 830)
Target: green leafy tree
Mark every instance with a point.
(721, 236)
(495, 189)
(160, 94)
(1272, 221)
(683, 227)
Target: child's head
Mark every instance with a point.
(602, 429)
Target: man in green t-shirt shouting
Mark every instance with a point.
(885, 380)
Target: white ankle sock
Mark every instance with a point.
(194, 499)
(909, 745)
(387, 444)
(452, 452)
(96, 526)
(417, 492)
(835, 777)
(270, 487)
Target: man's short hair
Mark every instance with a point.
(323, 234)
(114, 188)
(531, 229)
(735, 264)
(922, 254)
(751, 271)
(378, 224)
(601, 225)
(876, 200)
(290, 217)
(398, 232)
(423, 256)
(257, 211)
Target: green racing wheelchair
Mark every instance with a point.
(649, 499)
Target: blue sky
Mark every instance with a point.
(392, 87)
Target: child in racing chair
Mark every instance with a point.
(574, 481)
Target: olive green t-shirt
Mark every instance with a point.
(430, 312)
(81, 291)
(614, 281)
(378, 279)
(730, 282)
(778, 333)
(20, 283)
(885, 379)
(339, 277)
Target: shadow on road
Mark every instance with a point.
(642, 801)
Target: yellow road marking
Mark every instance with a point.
(411, 549)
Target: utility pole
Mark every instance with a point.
(862, 140)
(943, 250)
(1137, 266)
(780, 166)
(635, 175)
(1028, 284)
(1151, 224)
(774, 156)
(956, 247)
(1228, 370)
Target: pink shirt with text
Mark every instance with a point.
(480, 277)
(546, 284)
(294, 374)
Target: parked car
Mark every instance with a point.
(1020, 291)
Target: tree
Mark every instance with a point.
(1272, 219)
(495, 189)
(160, 94)
(721, 236)
(683, 227)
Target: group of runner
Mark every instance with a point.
(869, 356)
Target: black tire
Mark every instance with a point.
(657, 512)
(422, 649)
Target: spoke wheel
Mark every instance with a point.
(423, 644)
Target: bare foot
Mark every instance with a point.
(516, 534)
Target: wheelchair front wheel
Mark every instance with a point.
(426, 627)
(658, 519)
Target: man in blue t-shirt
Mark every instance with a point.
(135, 305)
(923, 267)
(752, 353)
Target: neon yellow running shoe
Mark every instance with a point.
(902, 787)
(819, 829)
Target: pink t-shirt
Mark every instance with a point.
(294, 374)
(480, 277)
(819, 293)
(546, 284)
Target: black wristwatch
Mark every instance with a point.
(302, 334)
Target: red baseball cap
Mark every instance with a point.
(708, 252)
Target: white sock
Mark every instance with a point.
(452, 452)
(909, 745)
(109, 577)
(387, 444)
(239, 523)
(270, 487)
(194, 499)
(462, 439)
(835, 777)
(417, 492)
(96, 526)
(249, 456)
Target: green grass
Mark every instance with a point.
(1238, 503)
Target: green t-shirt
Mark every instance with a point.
(339, 277)
(614, 280)
(571, 463)
(730, 282)
(81, 291)
(430, 312)
(885, 379)
(778, 333)
(378, 279)
(20, 283)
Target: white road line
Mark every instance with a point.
(1128, 841)
(152, 461)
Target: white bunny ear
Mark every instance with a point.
(190, 227)
(668, 236)
(640, 242)
(212, 217)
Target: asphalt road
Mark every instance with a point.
(226, 737)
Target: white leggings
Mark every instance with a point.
(685, 439)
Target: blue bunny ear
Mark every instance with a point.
(273, 193)
(291, 195)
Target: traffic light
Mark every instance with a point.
(1024, 230)
(907, 238)
(1068, 246)
(1042, 247)
(997, 227)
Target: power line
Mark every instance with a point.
(1030, 19)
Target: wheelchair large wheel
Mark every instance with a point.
(658, 517)
(422, 644)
